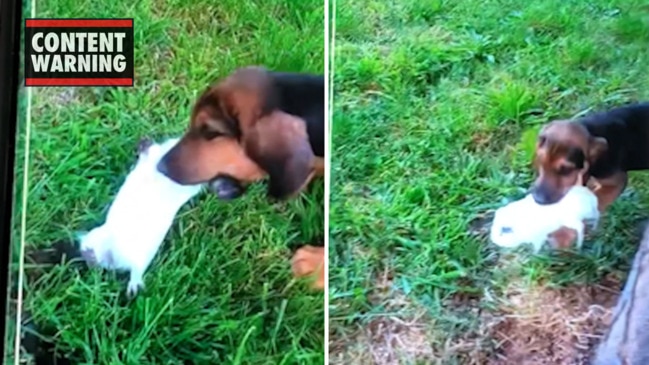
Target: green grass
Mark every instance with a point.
(447, 97)
(221, 289)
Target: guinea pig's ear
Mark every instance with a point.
(279, 144)
(80, 235)
(143, 145)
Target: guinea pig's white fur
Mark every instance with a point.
(138, 219)
(526, 222)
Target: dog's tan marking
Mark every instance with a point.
(609, 189)
(198, 160)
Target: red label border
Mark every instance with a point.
(79, 23)
(78, 82)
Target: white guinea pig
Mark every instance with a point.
(139, 217)
(526, 222)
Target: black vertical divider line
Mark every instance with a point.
(10, 42)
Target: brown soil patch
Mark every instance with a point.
(522, 324)
(541, 325)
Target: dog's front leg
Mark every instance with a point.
(563, 237)
(309, 261)
(609, 189)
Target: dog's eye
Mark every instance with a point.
(211, 134)
(542, 140)
(565, 170)
(208, 133)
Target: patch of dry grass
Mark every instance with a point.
(387, 339)
(560, 326)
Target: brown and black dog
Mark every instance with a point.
(600, 149)
(252, 125)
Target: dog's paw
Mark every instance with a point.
(133, 288)
(593, 184)
(309, 261)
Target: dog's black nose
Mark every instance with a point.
(226, 188)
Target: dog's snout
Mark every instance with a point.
(168, 166)
(163, 167)
(540, 197)
(544, 196)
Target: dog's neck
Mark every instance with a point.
(626, 130)
(303, 95)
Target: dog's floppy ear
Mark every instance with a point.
(541, 136)
(596, 147)
(279, 144)
(245, 96)
(233, 105)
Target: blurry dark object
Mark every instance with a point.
(627, 341)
